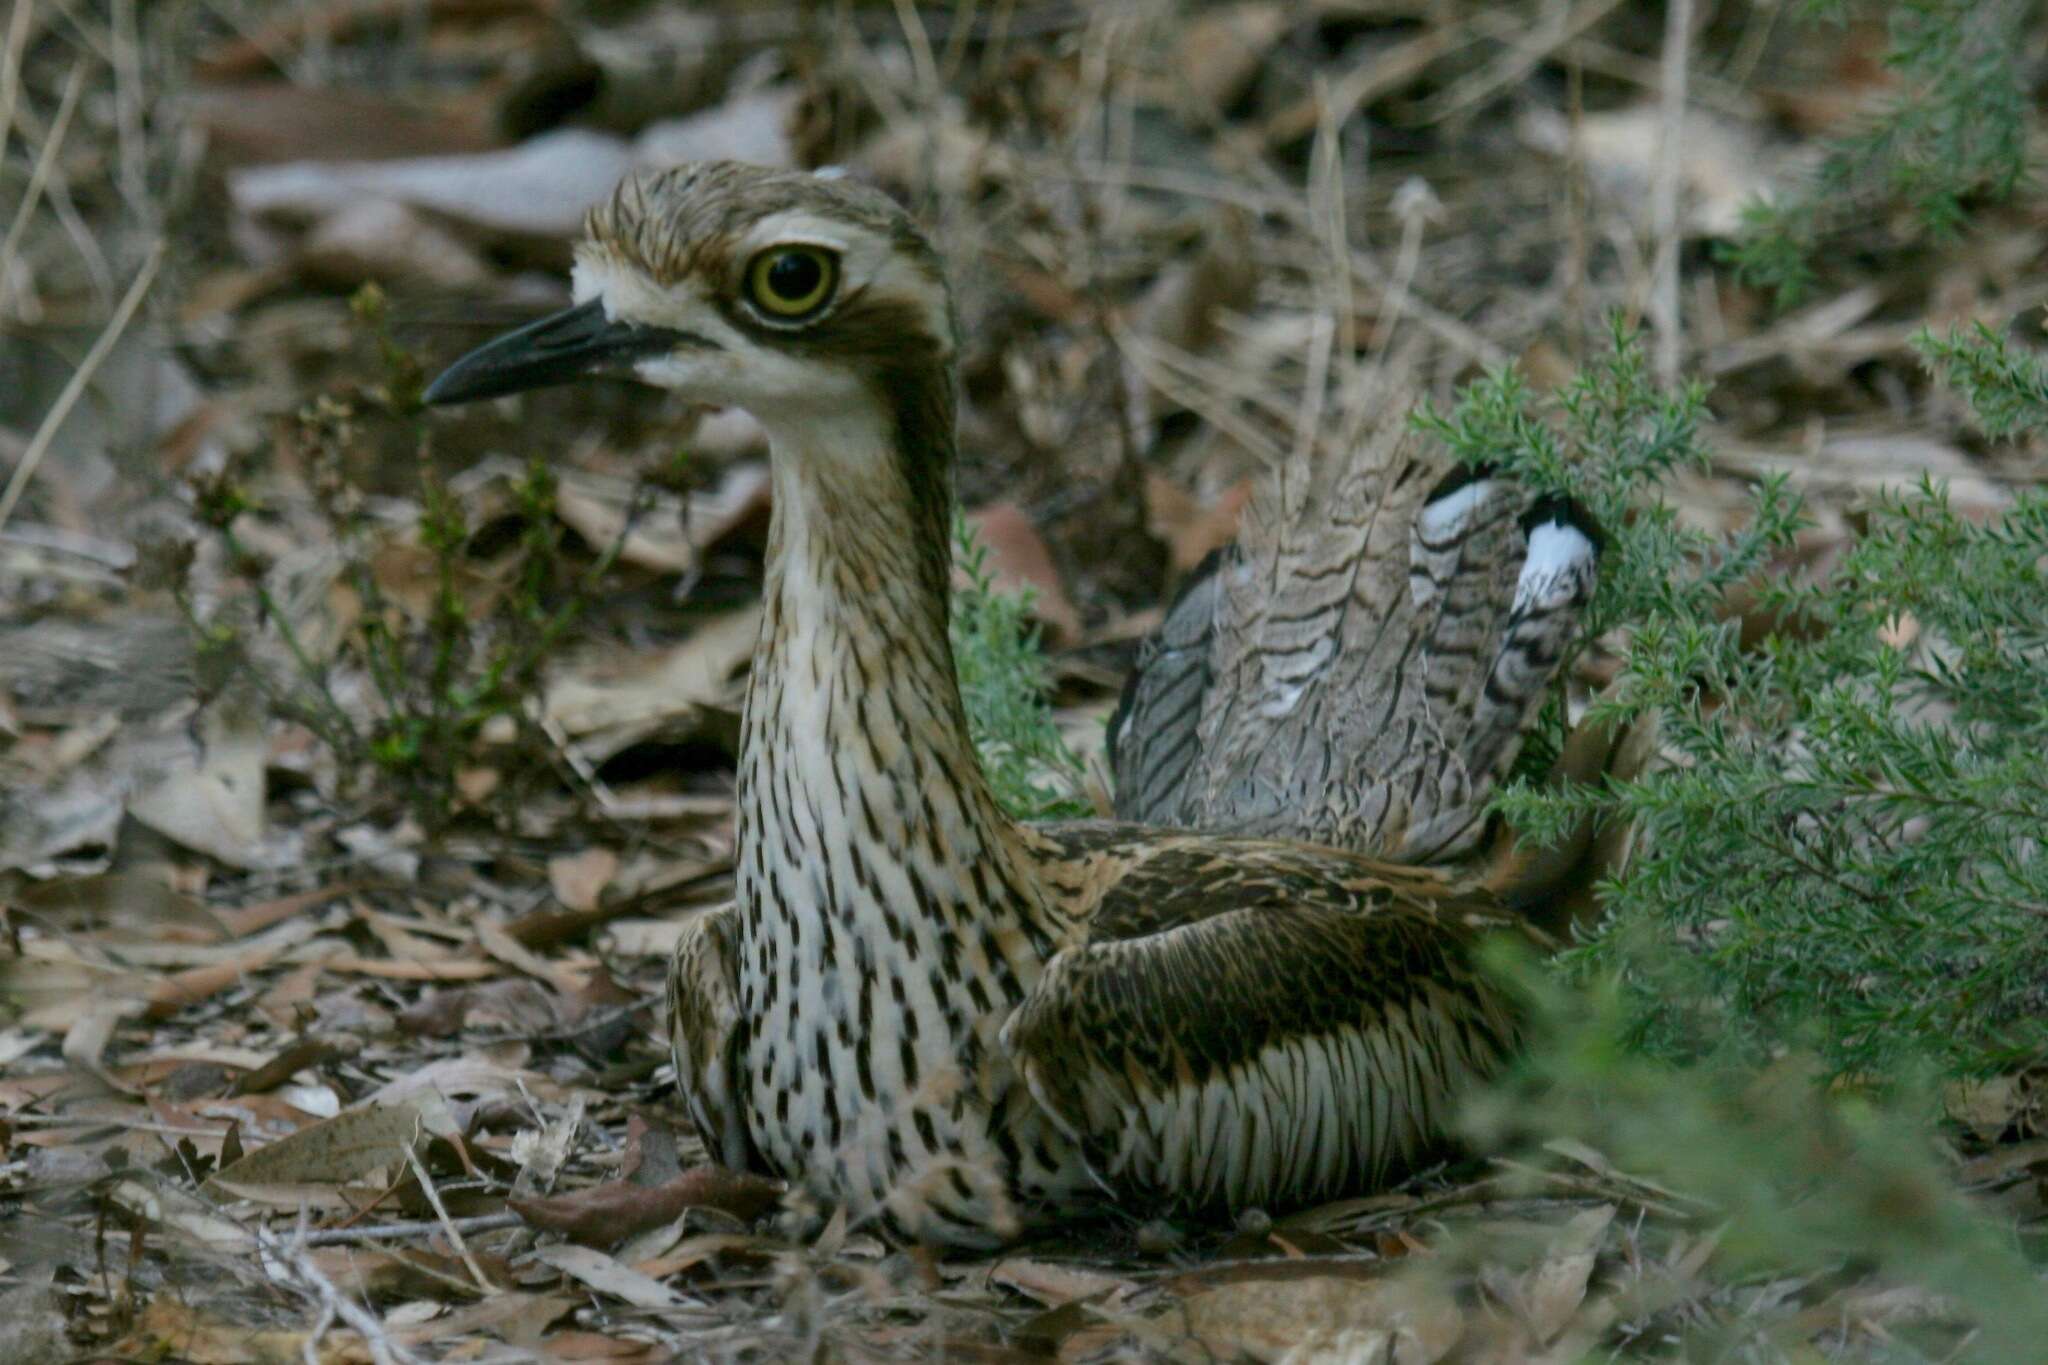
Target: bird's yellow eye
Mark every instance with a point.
(792, 281)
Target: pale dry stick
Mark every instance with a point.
(419, 1173)
(399, 1232)
(1200, 388)
(924, 65)
(39, 176)
(10, 68)
(1460, 338)
(294, 1260)
(1664, 191)
(309, 1349)
(1527, 55)
(1216, 190)
(87, 34)
(956, 39)
(1332, 231)
(57, 193)
(39, 444)
(1577, 194)
(1411, 206)
(127, 44)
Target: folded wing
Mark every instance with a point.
(1360, 668)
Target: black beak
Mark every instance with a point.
(556, 350)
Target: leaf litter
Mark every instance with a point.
(287, 1075)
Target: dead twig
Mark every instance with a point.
(293, 1260)
(39, 444)
(405, 1231)
(1664, 224)
(39, 175)
(476, 1272)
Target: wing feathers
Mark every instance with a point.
(1269, 1054)
(1359, 670)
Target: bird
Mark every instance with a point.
(1256, 985)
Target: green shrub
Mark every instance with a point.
(1955, 130)
(1842, 850)
(1003, 682)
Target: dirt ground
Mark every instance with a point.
(361, 767)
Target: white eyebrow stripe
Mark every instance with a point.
(796, 227)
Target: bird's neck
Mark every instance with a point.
(862, 799)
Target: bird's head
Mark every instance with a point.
(788, 294)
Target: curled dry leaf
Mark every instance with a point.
(608, 1276)
(1190, 527)
(1552, 1292)
(604, 1215)
(669, 535)
(579, 879)
(1318, 1319)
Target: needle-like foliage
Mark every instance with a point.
(1954, 129)
(1843, 848)
(1003, 683)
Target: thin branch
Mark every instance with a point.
(476, 1271)
(82, 376)
(39, 176)
(405, 1231)
(1664, 223)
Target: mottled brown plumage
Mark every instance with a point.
(956, 1026)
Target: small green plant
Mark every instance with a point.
(1956, 130)
(484, 608)
(1034, 772)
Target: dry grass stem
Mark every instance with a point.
(1664, 297)
(39, 444)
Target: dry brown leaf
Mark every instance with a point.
(1052, 1283)
(209, 796)
(454, 969)
(262, 122)
(752, 127)
(495, 941)
(334, 1151)
(538, 189)
(573, 1346)
(1987, 1107)
(579, 879)
(516, 1318)
(1220, 51)
(173, 993)
(85, 1042)
(608, 704)
(1190, 528)
(384, 241)
(250, 919)
(177, 1330)
(604, 1215)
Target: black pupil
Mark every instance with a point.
(793, 276)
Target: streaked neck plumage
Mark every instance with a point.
(890, 911)
(854, 652)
